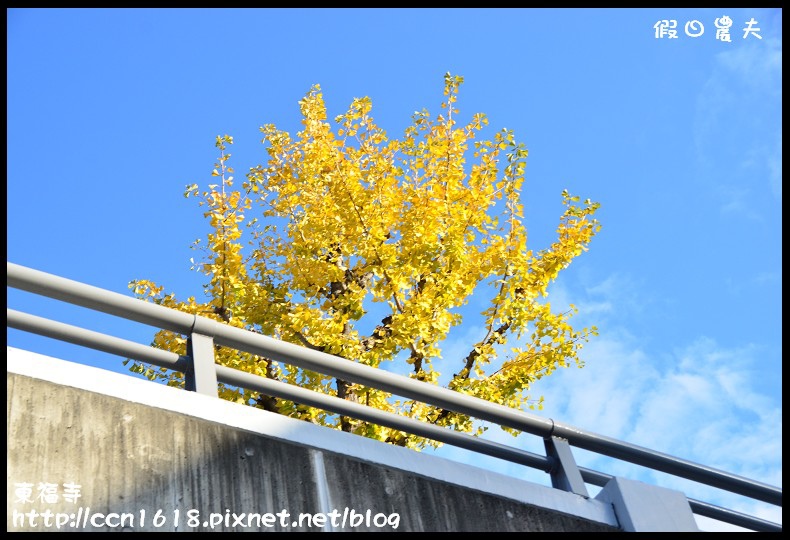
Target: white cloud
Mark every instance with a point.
(773, 159)
(697, 402)
(738, 133)
(711, 525)
(768, 277)
(757, 63)
(736, 201)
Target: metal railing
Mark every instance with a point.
(202, 375)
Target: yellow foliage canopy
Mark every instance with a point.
(345, 225)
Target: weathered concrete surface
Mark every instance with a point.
(437, 506)
(139, 467)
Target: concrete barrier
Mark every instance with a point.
(93, 450)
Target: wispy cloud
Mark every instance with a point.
(758, 64)
(697, 401)
(735, 201)
(774, 161)
(768, 277)
(737, 125)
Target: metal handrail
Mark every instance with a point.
(169, 360)
(77, 293)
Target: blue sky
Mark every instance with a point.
(112, 112)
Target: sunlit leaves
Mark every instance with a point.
(366, 247)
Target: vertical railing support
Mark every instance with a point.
(565, 474)
(201, 376)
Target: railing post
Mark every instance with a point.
(201, 375)
(565, 474)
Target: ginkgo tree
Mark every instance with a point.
(367, 248)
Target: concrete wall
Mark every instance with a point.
(147, 456)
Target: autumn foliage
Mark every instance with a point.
(366, 247)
